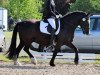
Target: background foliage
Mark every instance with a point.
(28, 9)
(23, 9)
(92, 6)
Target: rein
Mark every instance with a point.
(70, 23)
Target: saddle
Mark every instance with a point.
(47, 27)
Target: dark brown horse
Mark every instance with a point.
(29, 32)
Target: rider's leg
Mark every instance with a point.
(52, 40)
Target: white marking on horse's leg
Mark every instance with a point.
(34, 60)
(17, 63)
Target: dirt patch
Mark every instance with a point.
(45, 69)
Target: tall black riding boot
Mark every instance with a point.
(52, 41)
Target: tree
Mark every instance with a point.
(95, 6)
(25, 9)
(82, 5)
(92, 6)
(4, 3)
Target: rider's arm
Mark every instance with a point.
(52, 7)
(53, 10)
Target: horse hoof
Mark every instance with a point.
(34, 61)
(76, 62)
(17, 63)
(51, 64)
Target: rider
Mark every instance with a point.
(50, 12)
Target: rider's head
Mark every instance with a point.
(70, 1)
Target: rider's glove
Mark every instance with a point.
(60, 15)
(57, 16)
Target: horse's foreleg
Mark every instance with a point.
(76, 60)
(33, 59)
(57, 48)
(41, 47)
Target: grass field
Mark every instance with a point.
(8, 34)
(5, 59)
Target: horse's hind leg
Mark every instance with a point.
(76, 52)
(33, 59)
(18, 49)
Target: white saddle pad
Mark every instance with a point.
(52, 22)
(43, 27)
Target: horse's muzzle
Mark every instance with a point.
(86, 32)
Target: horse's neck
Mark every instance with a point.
(69, 24)
(68, 27)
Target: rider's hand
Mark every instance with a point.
(60, 15)
(57, 16)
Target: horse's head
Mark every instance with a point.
(84, 23)
(73, 19)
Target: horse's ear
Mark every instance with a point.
(88, 14)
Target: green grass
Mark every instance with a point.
(97, 62)
(24, 59)
(98, 59)
(5, 59)
(27, 59)
(8, 34)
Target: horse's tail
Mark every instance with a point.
(11, 52)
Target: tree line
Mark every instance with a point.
(92, 6)
(28, 9)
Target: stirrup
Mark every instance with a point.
(50, 49)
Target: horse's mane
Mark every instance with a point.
(75, 12)
(32, 20)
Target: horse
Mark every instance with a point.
(29, 32)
